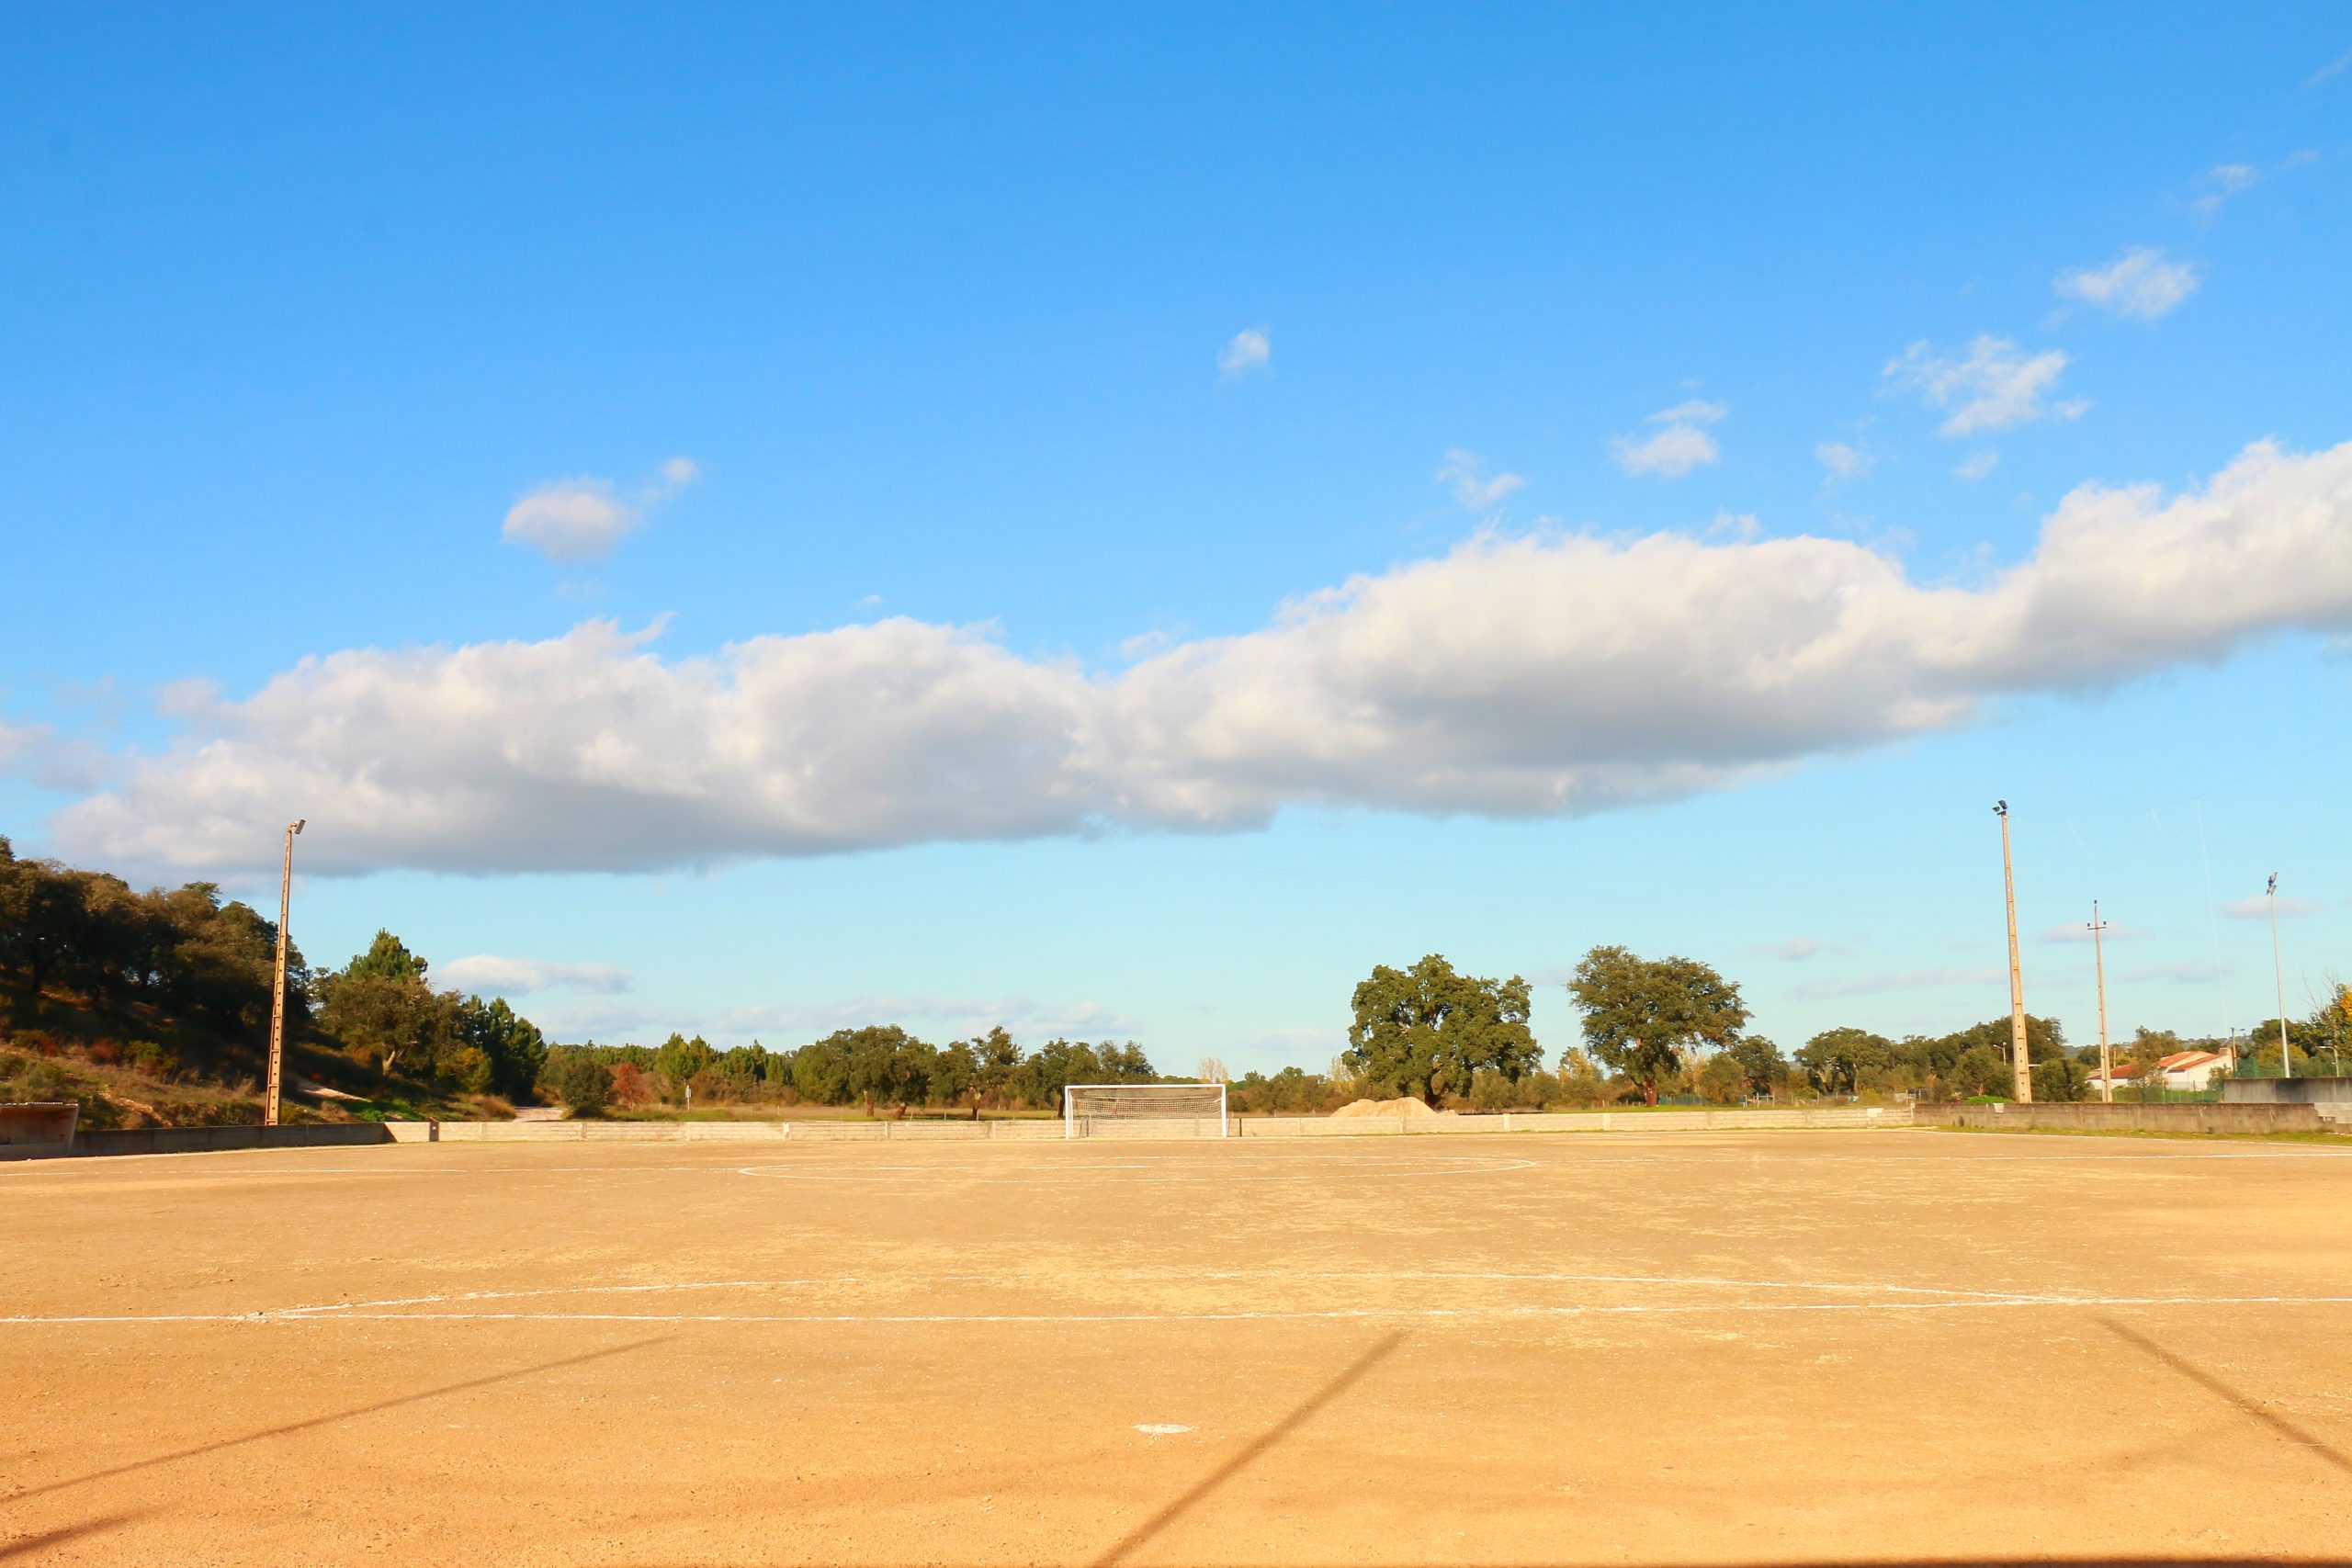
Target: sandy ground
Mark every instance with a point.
(1755, 1349)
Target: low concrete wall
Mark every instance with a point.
(205, 1140)
(2131, 1118)
(2287, 1091)
(37, 1129)
(715, 1132)
(1250, 1127)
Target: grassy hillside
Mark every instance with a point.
(153, 1008)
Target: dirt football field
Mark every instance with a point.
(1769, 1347)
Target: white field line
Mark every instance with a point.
(1435, 1165)
(384, 1309)
(1239, 1316)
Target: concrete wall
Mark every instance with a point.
(1252, 1127)
(205, 1140)
(37, 1129)
(2287, 1091)
(2134, 1118)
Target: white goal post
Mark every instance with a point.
(1088, 1108)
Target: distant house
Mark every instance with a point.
(2182, 1069)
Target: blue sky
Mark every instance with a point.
(1120, 522)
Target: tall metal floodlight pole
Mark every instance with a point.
(2020, 1066)
(2279, 973)
(2099, 963)
(277, 990)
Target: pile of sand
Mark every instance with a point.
(1408, 1108)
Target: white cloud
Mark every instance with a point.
(1550, 673)
(1842, 461)
(2334, 67)
(1796, 949)
(2222, 182)
(1900, 980)
(37, 753)
(488, 974)
(1995, 387)
(2077, 930)
(1465, 473)
(571, 520)
(1977, 465)
(1677, 446)
(2141, 283)
(1250, 349)
(1670, 452)
(2258, 907)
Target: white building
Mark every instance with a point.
(2182, 1069)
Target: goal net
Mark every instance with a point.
(1144, 1110)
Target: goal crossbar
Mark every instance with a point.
(1089, 1106)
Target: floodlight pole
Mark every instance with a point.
(277, 987)
(2020, 1066)
(2099, 962)
(2278, 974)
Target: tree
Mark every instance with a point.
(1766, 1069)
(679, 1060)
(386, 958)
(2062, 1080)
(821, 1070)
(1581, 1082)
(1835, 1060)
(890, 1065)
(582, 1083)
(1723, 1080)
(1641, 1014)
(1427, 1032)
(512, 1045)
(1980, 1073)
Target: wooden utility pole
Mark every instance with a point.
(277, 990)
(2020, 1063)
(2099, 963)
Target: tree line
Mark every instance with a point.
(879, 1066)
(1674, 1026)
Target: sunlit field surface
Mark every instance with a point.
(1767, 1347)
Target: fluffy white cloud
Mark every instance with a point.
(1841, 461)
(1465, 473)
(1977, 466)
(1993, 386)
(571, 520)
(1670, 453)
(489, 974)
(1525, 674)
(2141, 283)
(1679, 445)
(1250, 349)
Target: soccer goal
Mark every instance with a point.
(1145, 1110)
